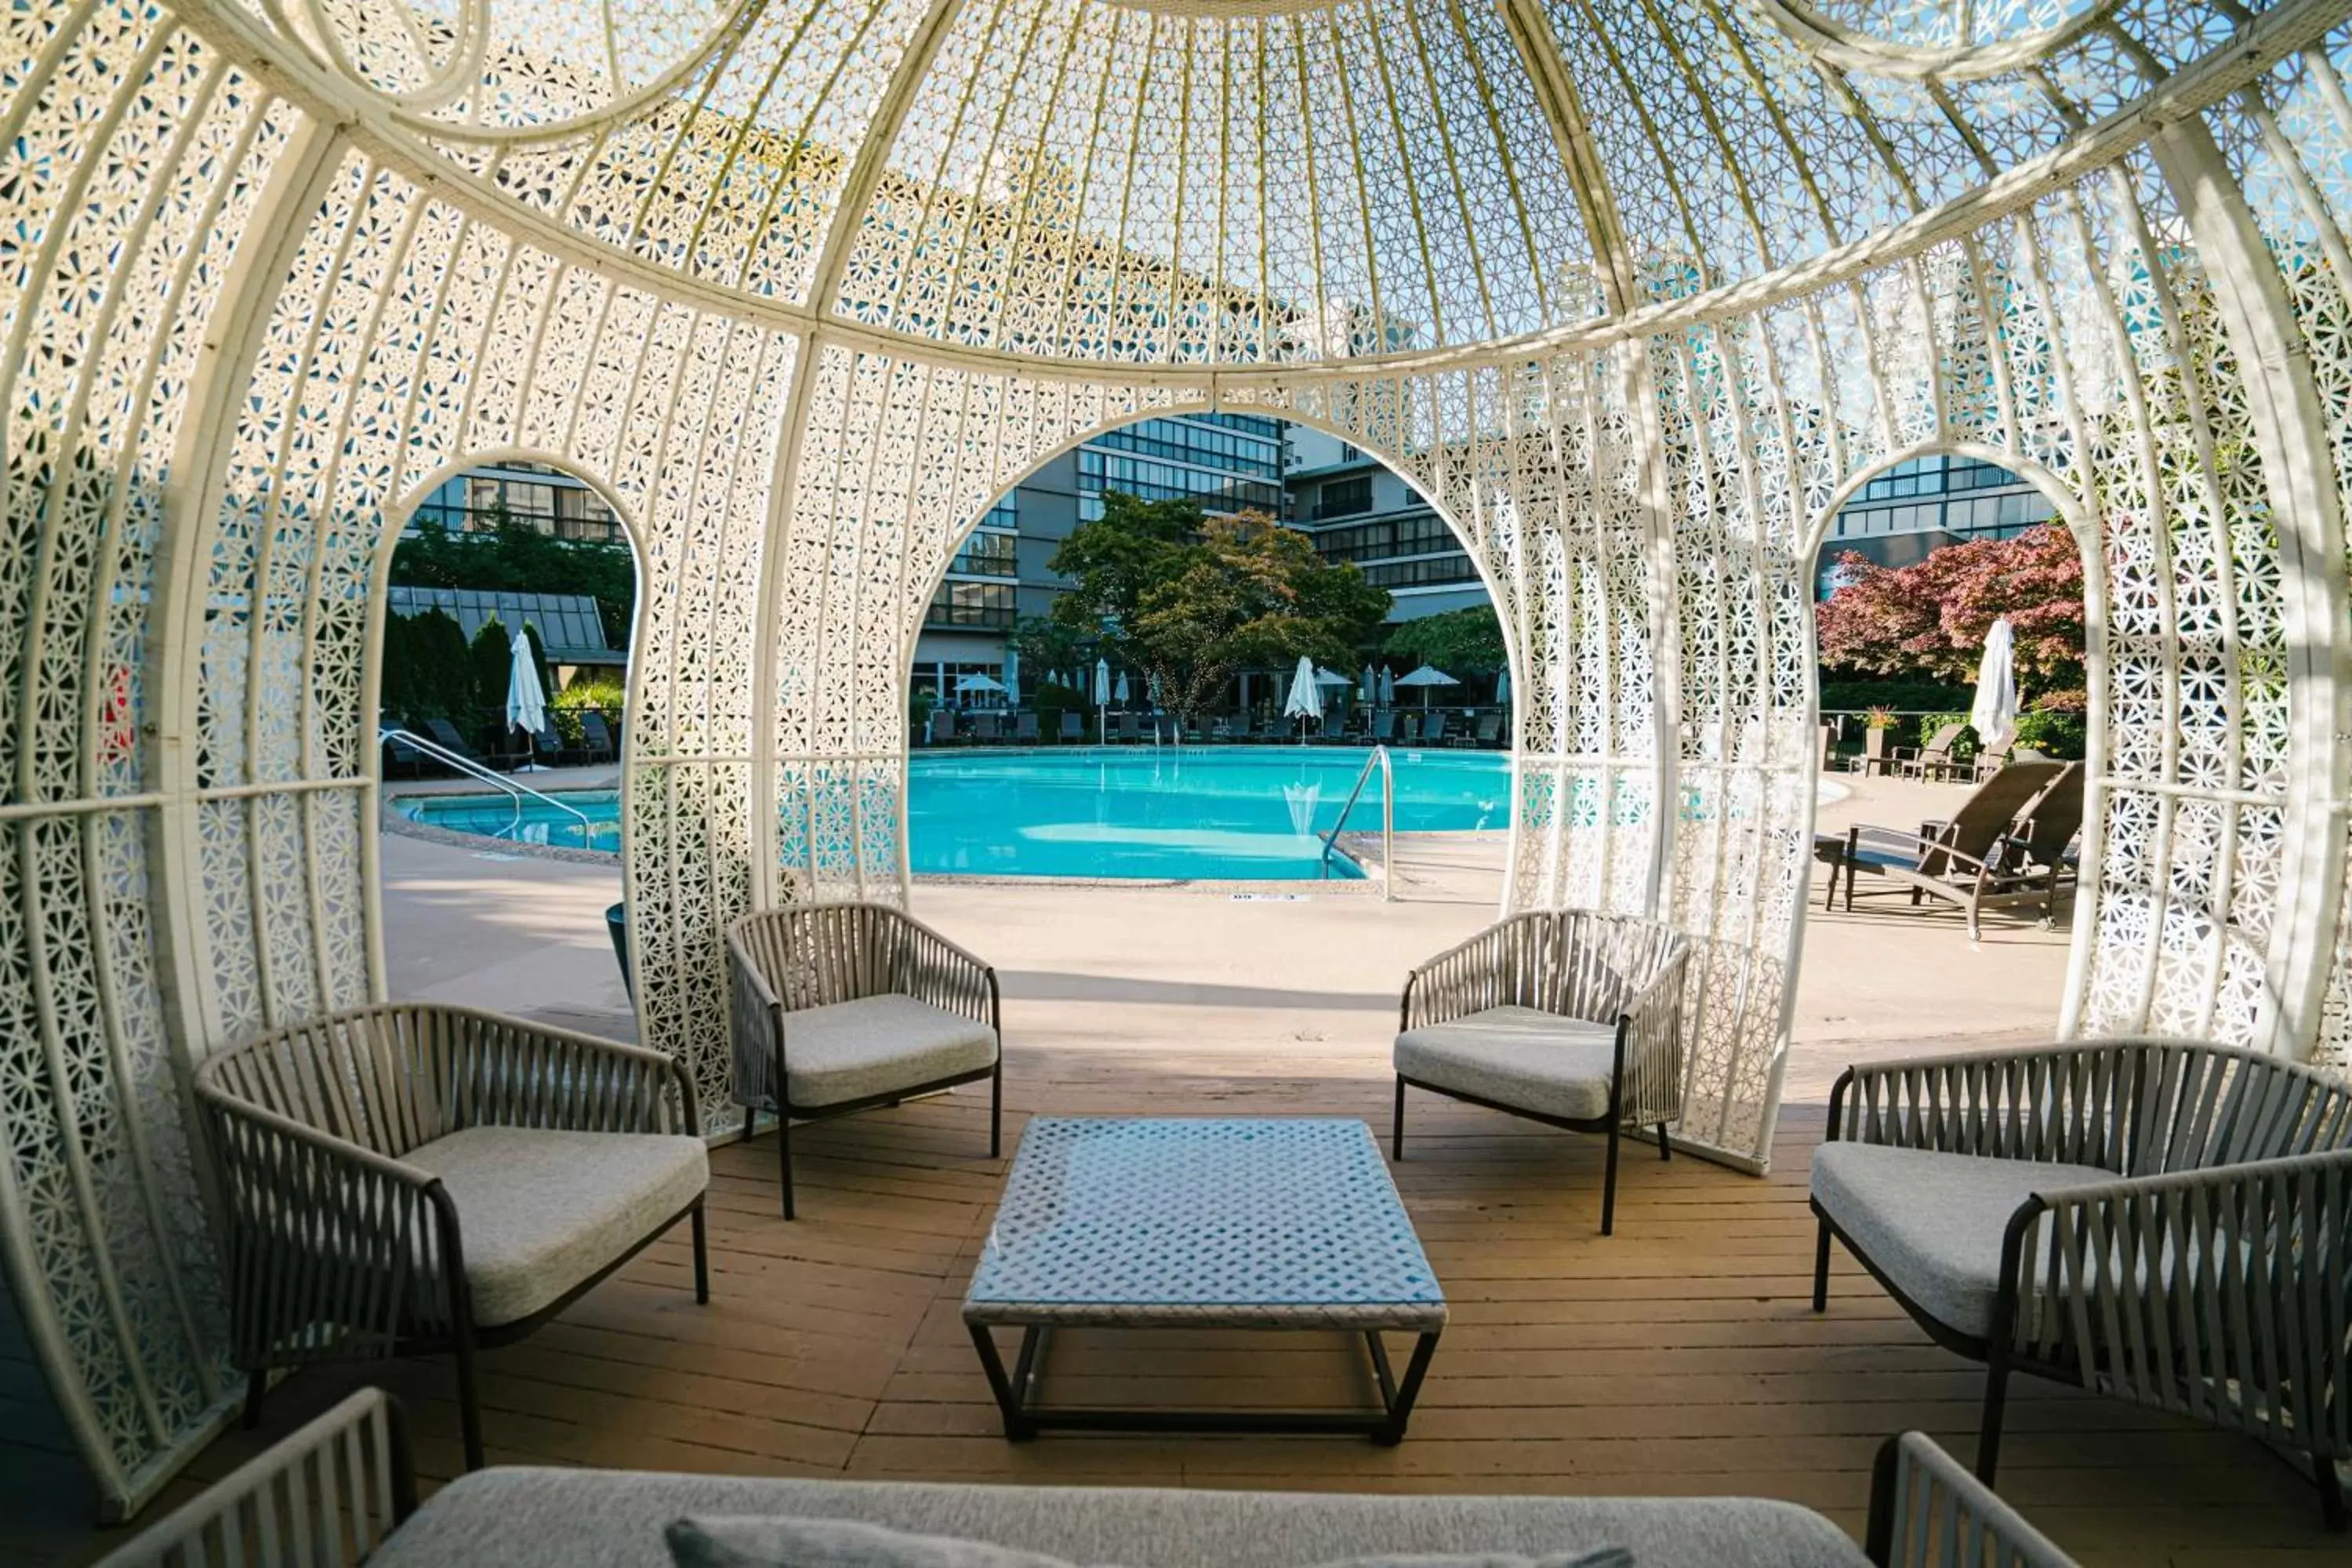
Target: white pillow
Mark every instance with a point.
(848, 1544)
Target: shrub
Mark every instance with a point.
(595, 693)
(2053, 734)
(1847, 696)
(426, 674)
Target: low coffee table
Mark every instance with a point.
(1201, 1223)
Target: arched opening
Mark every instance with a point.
(1948, 865)
(1103, 679)
(499, 544)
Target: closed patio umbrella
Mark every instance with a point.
(1503, 687)
(1306, 698)
(1011, 678)
(525, 701)
(1426, 677)
(1119, 696)
(1102, 697)
(1368, 689)
(1993, 715)
(1388, 689)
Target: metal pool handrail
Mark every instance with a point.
(1388, 820)
(473, 769)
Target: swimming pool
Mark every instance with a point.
(1140, 812)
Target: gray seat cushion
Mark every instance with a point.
(849, 1050)
(1521, 1056)
(1933, 1223)
(539, 1211)
(610, 1518)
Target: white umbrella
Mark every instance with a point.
(1388, 689)
(1153, 690)
(1011, 678)
(1306, 698)
(1426, 677)
(978, 683)
(1369, 688)
(1993, 716)
(1331, 678)
(1119, 694)
(1503, 687)
(1102, 680)
(526, 702)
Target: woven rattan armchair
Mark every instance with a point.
(404, 1178)
(839, 1007)
(1565, 1017)
(2164, 1222)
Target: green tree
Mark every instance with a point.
(427, 672)
(492, 658)
(1048, 646)
(514, 556)
(1193, 599)
(1459, 642)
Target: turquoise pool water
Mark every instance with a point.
(1224, 814)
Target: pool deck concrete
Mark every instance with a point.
(1281, 981)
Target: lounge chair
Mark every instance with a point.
(2038, 848)
(1965, 860)
(1934, 759)
(943, 727)
(1408, 729)
(1489, 731)
(444, 734)
(596, 744)
(402, 1178)
(1073, 727)
(1563, 1016)
(1024, 729)
(1433, 728)
(1130, 729)
(1382, 732)
(2164, 1222)
(840, 1007)
(1991, 760)
(984, 730)
(546, 745)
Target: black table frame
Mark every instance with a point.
(1025, 1415)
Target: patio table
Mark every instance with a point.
(1201, 1223)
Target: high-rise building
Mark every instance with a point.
(537, 493)
(1357, 508)
(1226, 461)
(1920, 506)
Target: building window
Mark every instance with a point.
(986, 606)
(1344, 498)
(987, 555)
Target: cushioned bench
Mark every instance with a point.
(351, 1465)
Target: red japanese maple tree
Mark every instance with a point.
(1929, 619)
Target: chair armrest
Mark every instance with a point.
(946, 975)
(1651, 1075)
(2045, 1102)
(338, 1484)
(1476, 972)
(2168, 1288)
(1926, 1511)
(513, 1073)
(324, 1236)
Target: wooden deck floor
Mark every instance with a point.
(1677, 1357)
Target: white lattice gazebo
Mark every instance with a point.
(1636, 292)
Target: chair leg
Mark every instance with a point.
(469, 1402)
(1821, 1269)
(256, 1384)
(1665, 1149)
(996, 1108)
(2331, 1494)
(1396, 1126)
(750, 1122)
(1609, 1187)
(1996, 1398)
(785, 1156)
(701, 1257)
